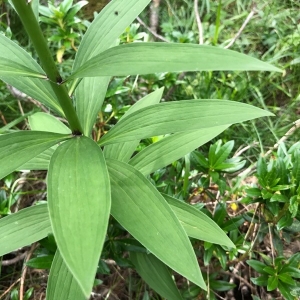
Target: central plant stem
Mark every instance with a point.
(34, 31)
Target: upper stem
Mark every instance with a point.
(34, 31)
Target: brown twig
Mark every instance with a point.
(284, 138)
(23, 275)
(154, 15)
(249, 17)
(9, 289)
(14, 260)
(199, 23)
(158, 36)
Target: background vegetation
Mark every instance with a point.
(247, 180)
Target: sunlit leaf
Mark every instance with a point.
(141, 210)
(79, 206)
(23, 228)
(148, 58)
(179, 116)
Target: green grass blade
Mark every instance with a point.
(171, 148)
(61, 283)
(147, 58)
(123, 151)
(180, 116)
(107, 27)
(79, 206)
(197, 224)
(23, 228)
(141, 209)
(19, 147)
(156, 274)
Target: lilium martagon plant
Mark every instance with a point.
(90, 180)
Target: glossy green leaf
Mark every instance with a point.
(123, 151)
(40, 262)
(107, 27)
(272, 283)
(45, 122)
(61, 283)
(256, 265)
(286, 291)
(171, 148)
(88, 107)
(156, 275)
(19, 147)
(23, 228)
(147, 58)
(79, 206)
(197, 224)
(179, 116)
(222, 154)
(141, 210)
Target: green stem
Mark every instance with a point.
(34, 31)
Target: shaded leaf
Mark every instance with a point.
(123, 151)
(61, 283)
(156, 274)
(23, 228)
(171, 148)
(79, 206)
(19, 147)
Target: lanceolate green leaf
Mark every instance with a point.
(88, 106)
(141, 210)
(123, 151)
(197, 224)
(171, 148)
(156, 275)
(40, 162)
(61, 283)
(179, 116)
(45, 122)
(23, 228)
(19, 147)
(79, 206)
(33, 87)
(11, 68)
(107, 27)
(146, 58)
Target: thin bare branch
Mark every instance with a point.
(249, 17)
(14, 260)
(158, 36)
